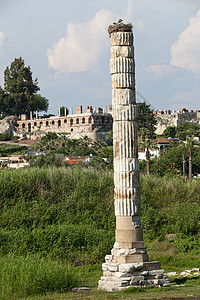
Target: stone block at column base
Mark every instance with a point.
(131, 245)
(125, 268)
(133, 258)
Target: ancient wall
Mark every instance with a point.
(169, 118)
(91, 124)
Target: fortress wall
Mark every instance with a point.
(78, 125)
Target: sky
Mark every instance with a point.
(67, 47)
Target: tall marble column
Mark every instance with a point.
(128, 265)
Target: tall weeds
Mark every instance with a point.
(32, 275)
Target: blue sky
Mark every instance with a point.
(68, 48)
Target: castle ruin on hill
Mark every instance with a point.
(167, 118)
(94, 123)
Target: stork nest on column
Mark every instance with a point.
(120, 27)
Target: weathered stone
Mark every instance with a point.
(108, 258)
(171, 274)
(123, 80)
(8, 125)
(122, 65)
(123, 97)
(195, 270)
(122, 39)
(185, 274)
(112, 268)
(104, 267)
(120, 51)
(156, 272)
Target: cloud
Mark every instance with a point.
(185, 53)
(160, 70)
(127, 16)
(3, 42)
(83, 45)
(189, 97)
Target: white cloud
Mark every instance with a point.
(188, 97)
(160, 70)
(186, 51)
(2, 43)
(83, 45)
(127, 17)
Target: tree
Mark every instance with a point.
(22, 89)
(146, 119)
(147, 145)
(6, 103)
(187, 129)
(64, 111)
(48, 160)
(39, 103)
(170, 131)
(190, 144)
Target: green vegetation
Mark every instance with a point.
(50, 159)
(32, 275)
(5, 137)
(6, 150)
(182, 131)
(20, 91)
(171, 160)
(53, 217)
(146, 120)
(62, 213)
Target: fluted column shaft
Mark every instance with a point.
(125, 140)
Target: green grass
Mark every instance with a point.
(32, 275)
(53, 217)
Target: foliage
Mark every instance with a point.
(64, 111)
(48, 160)
(187, 129)
(5, 137)
(60, 212)
(170, 131)
(6, 103)
(146, 119)
(170, 205)
(8, 150)
(171, 160)
(67, 214)
(32, 275)
(20, 95)
(39, 103)
(61, 143)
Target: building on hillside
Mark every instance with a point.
(167, 118)
(94, 123)
(162, 143)
(13, 161)
(75, 160)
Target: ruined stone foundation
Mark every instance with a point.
(128, 265)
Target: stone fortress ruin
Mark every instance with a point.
(94, 123)
(167, 118)
(128, 264)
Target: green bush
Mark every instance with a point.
(5, 137)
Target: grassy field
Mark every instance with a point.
(57, 225)
(183, 288)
